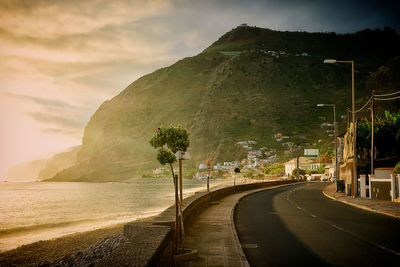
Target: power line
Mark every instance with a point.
(369, 100)
(394, 93)
(385, 99)
(377, 97)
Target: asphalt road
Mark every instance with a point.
(299, 226)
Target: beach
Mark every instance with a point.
(50, 251)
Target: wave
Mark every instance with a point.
(91, 224)
(38, 227)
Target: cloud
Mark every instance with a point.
(58, 120)
(77, 133)
(49, 103)
(31, 18)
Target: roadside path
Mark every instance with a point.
(212, 233)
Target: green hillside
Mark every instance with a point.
(248, 85)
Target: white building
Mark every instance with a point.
(202, 166)
(304, 164)
(159, 171)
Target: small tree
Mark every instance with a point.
(168, 141)
(260, 176)
(301, 172)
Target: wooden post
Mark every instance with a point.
(176, 215)
(180, 179)
(208, 182)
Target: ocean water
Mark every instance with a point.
(30, 212)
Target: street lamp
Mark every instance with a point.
(332, 61)
(335, 129)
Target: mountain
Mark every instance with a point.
(58, 162)
(44, 168)
(25, 171)
(248, 85)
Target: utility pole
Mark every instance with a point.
(336, 143)
(180, 178)
(298, 171)
(372, 131)
(354, 130)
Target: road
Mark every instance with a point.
(299, 226)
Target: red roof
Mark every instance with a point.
(324, 159)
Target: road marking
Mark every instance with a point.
(388, 249)
(337, 227)
(340, 228)
(249, 246)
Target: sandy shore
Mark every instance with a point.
(48, 251)
(44, 252)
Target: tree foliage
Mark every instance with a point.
(397, 168)
(320, 170)
(386, 136)
(301, 172)
(275, 169)
(168, 141)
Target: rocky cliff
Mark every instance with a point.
(248, 85)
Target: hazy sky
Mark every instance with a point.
(61, 59)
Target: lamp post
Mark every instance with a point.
(332, 61)
(335, 130)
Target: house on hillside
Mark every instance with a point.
(322, 162)
(304, 164)
(326, 124)
(203, 166)
(159, 171)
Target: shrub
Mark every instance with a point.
(397, 168)
(294, 173)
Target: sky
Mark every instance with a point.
(61, 59)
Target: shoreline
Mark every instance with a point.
(48, 251)
(52, 250)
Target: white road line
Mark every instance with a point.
(337, 227)
(249, 246)
(341, 229)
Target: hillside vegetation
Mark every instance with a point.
(262, 83)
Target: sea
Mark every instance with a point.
(34, 211)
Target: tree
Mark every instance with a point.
(168, 141)
(387, 136)
(275, 169)
(363, 138)
(260, 176)
(301, 172)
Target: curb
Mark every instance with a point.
(360, 206)
(236, 237)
